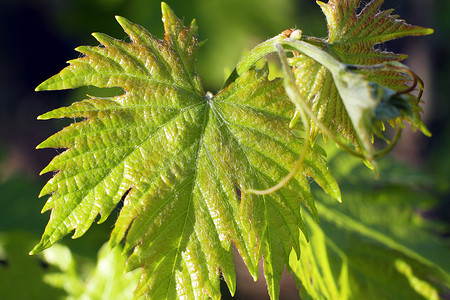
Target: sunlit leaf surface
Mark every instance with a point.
(181, 160)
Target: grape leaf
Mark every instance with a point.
(375, 245)
(181, 159)
(353, 38)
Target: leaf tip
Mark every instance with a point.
(426, 132)
(428, 31)
(121, 20)
(43, 144)
(336, 192)
(96, 35)
(48, 115)
(322, 5)
(168, 16)
(41, 117)
(38, 88)
(165, 7)
(43, 244)
(42, 87)
(42, 193)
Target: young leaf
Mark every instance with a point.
(181, 159)
(352, 39)
(352, 88)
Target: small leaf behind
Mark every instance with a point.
(353, 36)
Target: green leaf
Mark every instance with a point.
(353, 38)
(23, 276)
(181, 160)
(107, 280)
(375, 245)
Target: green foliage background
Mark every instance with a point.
(36, 34)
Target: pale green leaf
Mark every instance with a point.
(375, 245)
(181, 160)
(109, 280)
(82, 280)
(23, 276)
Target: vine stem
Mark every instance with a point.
(292, 91)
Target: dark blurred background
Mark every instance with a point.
(37, 37)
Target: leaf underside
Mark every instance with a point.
(353, 38)
(183, 160)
